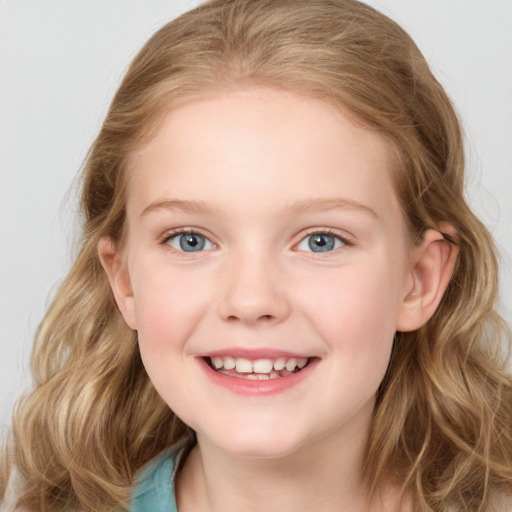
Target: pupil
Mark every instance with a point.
(191, 243)
(321, 243)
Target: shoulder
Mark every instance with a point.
(156, 473)
(154, 486)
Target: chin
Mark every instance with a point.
(257, 443)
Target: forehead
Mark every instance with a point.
(237, 144)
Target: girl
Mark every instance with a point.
(281, 300)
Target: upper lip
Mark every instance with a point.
(253, 354)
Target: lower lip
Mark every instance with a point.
(266, 387)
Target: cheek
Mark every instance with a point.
(355, 310)
(168, 306)
(355, 317)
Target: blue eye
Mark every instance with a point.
(320, 242)
(189, 242)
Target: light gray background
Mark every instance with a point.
(60, 63)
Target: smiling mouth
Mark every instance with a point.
(259, 369)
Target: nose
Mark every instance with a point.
(253, 291)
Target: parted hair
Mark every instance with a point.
(442, 425)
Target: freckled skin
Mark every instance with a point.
(247, 157)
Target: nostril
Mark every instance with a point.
(264, 318)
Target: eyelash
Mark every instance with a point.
(346, 240)
(176, 232)
(167, 237)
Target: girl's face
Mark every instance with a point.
(264, 231)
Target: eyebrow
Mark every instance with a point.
(309, 205)
(177, 205)
(315, 205)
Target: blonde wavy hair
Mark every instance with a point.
(442, 424)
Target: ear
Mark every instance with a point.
(119, 279)
(433, 263)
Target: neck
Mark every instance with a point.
(325, 476)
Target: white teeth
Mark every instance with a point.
(279, 364)
(229, 363)
(291, 364)
(258, 376)
(262, 368)
(243, 366)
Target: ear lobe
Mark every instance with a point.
(119, 279)
(433, 264)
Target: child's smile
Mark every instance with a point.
(246, 370)
(267, 264)
(281, 299)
